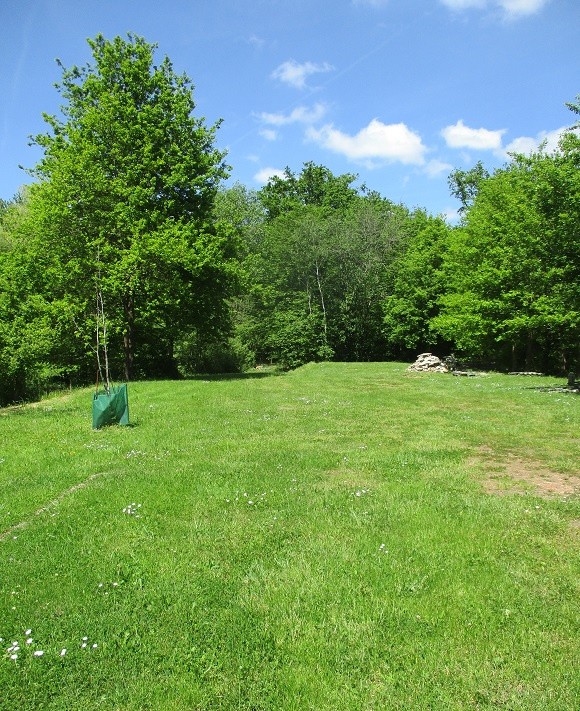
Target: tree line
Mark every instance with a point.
(130, 209)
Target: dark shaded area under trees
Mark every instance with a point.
(197, 277)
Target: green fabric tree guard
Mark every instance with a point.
(111, 408)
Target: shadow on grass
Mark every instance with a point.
(554, 389)
(253, 375)
(115, 425)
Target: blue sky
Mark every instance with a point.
(398, 92)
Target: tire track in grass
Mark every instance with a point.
(53, 503)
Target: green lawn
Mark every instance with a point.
(319, 540)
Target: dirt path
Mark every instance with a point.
(510, 474)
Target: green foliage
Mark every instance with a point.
(296, 337)
(12, 215)
(38, 348)
(315, 185)
(417, 283)
(574, 106)
(193, 355)
(464, 184)
(513, 268)
(125, 200)
(317, 267)
(201, 278)
(364, 243)
(240, 207)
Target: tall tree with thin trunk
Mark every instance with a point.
(126, 190)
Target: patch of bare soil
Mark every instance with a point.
(513, 475)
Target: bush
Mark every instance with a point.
(297, 339)
(224, 356)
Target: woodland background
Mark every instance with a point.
(130, 207)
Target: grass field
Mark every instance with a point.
(344, 536)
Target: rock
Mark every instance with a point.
(428, 363)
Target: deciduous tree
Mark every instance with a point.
(464, 184)
(125, 197)
(417, 283)
(514, 267)
(320, 268)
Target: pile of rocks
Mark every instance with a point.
(428, 363)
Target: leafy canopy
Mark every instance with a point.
(126, 193)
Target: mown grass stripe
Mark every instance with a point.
(50, 505)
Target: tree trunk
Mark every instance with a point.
(129, 313)
(322, 304)
(530, 351)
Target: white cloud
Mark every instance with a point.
(435, 167)
(376, 142)
(482, 139)
(528, 144)
(269, 134)
(511, 8)
(295, 74)
(464, 4)
(515, 8)
(371, 3)
(301, 114)
(523, 144)
(263, 175)
(256, 41)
